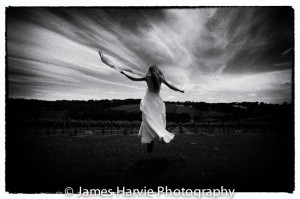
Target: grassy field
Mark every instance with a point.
(245, 162)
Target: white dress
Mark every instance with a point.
(154, 119)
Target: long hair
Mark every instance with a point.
(156, 76)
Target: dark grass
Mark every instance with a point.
(250, 162)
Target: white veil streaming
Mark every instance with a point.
(108, 62)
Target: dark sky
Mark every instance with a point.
(216, 54)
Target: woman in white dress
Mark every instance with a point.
(153, 108)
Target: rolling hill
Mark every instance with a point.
(170, 108)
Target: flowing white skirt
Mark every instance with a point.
(154, 119)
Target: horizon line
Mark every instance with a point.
(8, 98)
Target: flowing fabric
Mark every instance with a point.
(108, 62)
(154, 119)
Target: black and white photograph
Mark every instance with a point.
(116, 99)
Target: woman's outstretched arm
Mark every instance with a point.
(134, 78)
(171, 86)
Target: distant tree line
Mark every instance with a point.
(99, 109)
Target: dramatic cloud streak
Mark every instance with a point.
(215, 54)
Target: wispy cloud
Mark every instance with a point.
(212, 53)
